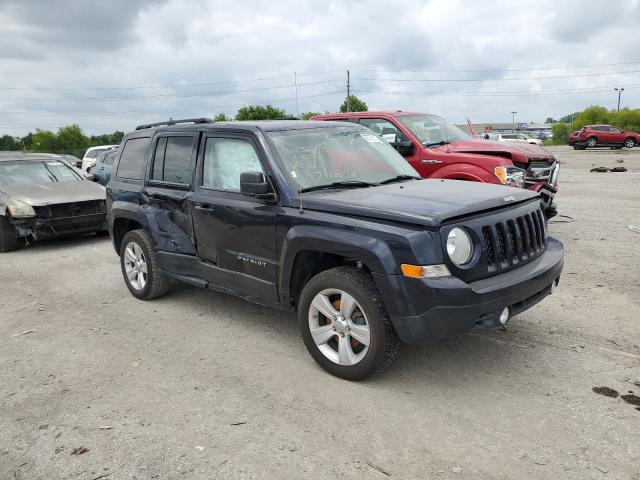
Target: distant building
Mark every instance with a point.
(534, 129)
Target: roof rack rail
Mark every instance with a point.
(175, 122)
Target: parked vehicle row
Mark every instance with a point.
(326, 218)
(592, 136)
(519, 138)
(439, 149)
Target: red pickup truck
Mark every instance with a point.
(439, 149)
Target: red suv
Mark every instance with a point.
(603, 136)
(439, 149)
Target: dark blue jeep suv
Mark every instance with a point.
(326, 219)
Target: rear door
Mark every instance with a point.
(235, 234)
(168, 188)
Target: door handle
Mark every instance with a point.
(431, 162)
(204, 208)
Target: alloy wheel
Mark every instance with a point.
(135, 266)
(339, 327)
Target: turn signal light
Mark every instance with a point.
(424, 271)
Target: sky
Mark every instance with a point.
(113, 65)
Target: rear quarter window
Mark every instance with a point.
(131, 164)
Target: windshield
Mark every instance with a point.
(349, 155)
(35, 171)
(431, 129)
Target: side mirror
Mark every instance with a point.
(404, 147)
(90, 177)
(253, 184)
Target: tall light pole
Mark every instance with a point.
(513, 118)
(619, 90)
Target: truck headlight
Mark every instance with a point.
(18, 209)
(459, 246)
(511, 176)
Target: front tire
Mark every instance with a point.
(629, 143)
(140, 267)
(8, 239)
(345, 325)
(592, 142)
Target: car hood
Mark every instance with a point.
(423, 202)
(40, 195)
(517, 152)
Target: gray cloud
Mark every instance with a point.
(79, 61)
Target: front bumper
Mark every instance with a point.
(41, 228)
(449, 307)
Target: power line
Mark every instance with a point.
(175, 85)
(575, 67)
(595, 74)
(499, 94)
(163, 96)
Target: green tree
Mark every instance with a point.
(70, 139)
(627, 119)
(560, 133)
(7, 142)
(44, 141)
(550, 120)
(355, 105)
(590, 116)
(221, 117)
(307, 115)
(259, 112)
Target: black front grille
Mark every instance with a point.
(539, 172)
(514, 241)
(505, 239)
(65, 210)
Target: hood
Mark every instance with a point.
(40, 195)
(423, 202)
(517, 152)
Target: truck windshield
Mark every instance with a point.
(432, 129)
(35, 171)
(338, 157)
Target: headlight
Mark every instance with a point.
(18, 209)
(511, 176)
(459, 246)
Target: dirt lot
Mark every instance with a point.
(203, 385)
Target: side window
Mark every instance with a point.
(172, 160)
(601, 129)
(108, 158)
(384, 128)
(132, 159)
(224, 160)
(614, 130)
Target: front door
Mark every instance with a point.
(235, 234)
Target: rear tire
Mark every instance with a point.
(8, 239)
(140, 266)
(367, 314)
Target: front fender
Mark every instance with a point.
(465, 171)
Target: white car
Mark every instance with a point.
(519, 137)
(89, 159)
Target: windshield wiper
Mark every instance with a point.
(399, 178)
(441, 142)
(52, 176)
(344, 184)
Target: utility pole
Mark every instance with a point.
(348, 92)
(295, 83)
(619, 90)
(513, 118)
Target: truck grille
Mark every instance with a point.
(518, 240)
(506, 239)
(539, 172)
(65, 210)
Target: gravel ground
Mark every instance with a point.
(204, 385)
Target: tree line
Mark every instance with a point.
(72, 140)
